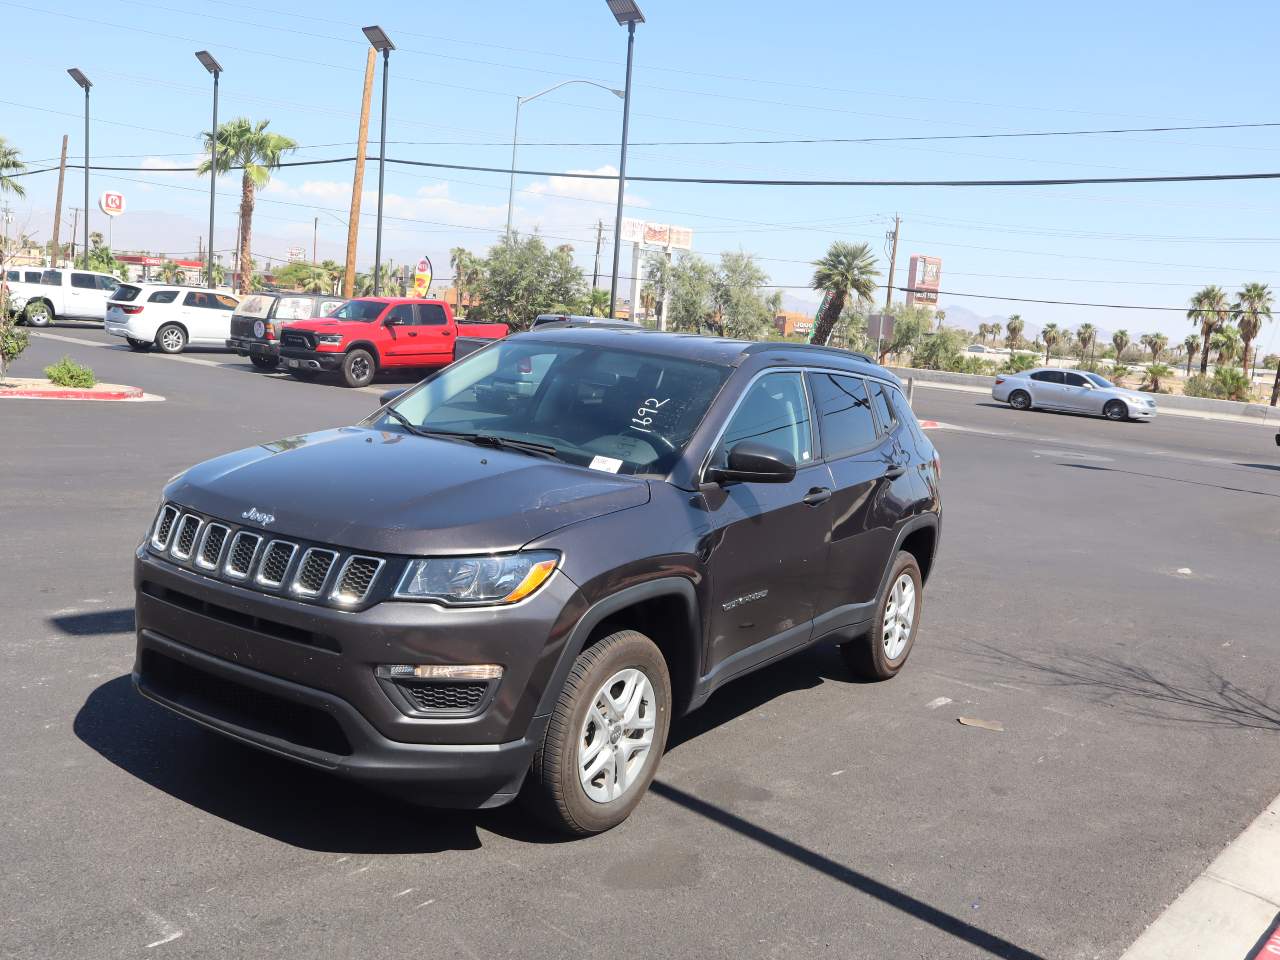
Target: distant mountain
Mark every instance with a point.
(966, 319)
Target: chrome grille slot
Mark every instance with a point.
(275, 562)
(240, 558)
(164, 526)
(356, 579)
(215, 538)
(184, 538)
(313, 571)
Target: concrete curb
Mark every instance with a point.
(1229, 908)
(114, 392)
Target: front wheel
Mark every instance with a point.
(1020, 400)
(605, 737)
(358, 368)
(1116, 410)
(38, 314)
(171, 338)
(881, 653)
(263, 363)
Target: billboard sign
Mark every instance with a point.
(924, 280)
(656, 234)
(422, 277)
(632, 230)
(681, 238)
(111, 203)
(297, 254)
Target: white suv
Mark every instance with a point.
(170, 317)
(64, 294)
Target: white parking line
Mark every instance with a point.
(1228, 908)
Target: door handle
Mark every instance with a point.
(895, 471)
(447, 332)
(817, 495)
(412, 333)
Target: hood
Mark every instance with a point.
(391, 492)
(321, 324)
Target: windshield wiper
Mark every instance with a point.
(479, 439)
(404, 422)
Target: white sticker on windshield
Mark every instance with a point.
(608, 464)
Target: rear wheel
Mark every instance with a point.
(1116, 410)
(605, 737)
(142, 346)
(358, 368)
(171, 338)
(1020, 400)
(38, 314)
(881, 653)
(263, 363)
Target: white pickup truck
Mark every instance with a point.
(65, 294)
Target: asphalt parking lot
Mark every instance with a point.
(1106, 592)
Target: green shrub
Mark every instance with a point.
(1018, 362)
(1093, 366)
(1198, 386)
(1155, 375)
(13, 340)
(1271, 361)
(1230, 383)
(67, 373)
(1118, 372)
(973, 365)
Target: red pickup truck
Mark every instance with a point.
(370, 334)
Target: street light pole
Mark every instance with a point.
(215, 68)
(515, 135)
(380, 41)
(625, 12)
(78, 76)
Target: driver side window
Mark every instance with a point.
(774, 411)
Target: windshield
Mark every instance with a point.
(608, 409)
(1099, 381)
(365, 311)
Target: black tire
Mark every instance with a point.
(38, 314)
(867, 656)
(358, 368)
(171, 338)
(1116, 410)
(553, 789)
(264, 363)
(1020, 400)
(142, 346)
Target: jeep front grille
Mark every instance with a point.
(240, 560)
(215, 538)
(184, 540)
(313, 571)
(164, 526)
(449, 696)
(275, 562)
(357, 576)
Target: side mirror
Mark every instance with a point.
(754, 462)
(390, 395)
(392, 322)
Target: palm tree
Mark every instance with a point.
(598, 302)
(1050, 334)
(1086, 336)
(170, 272)
(1226, 344)
(846, 269)
(256, 152)
(1120, 341)
(459, 258)
(1014, 328)
(1253, 309)
(1155, 342)
(1192, 346)
(218, 276)
(1210, 309)
(10, 166)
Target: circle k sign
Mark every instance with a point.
(111, 203)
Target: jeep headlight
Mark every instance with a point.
(477, 580)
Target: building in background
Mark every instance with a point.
(789, 323)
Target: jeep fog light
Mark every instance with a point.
(441, 671)
(477, 580)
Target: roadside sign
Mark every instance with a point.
(111, 203)
(880, 326)
(422, 277)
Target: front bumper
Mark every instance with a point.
(215, 653)
(1137, 412)
(298, 358)
(247, 347)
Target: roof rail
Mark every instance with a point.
(817, 347)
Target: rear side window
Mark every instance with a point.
(1047, 376)
(294, 308)
(431, 315)
(84, 281)
(163, 296)
(844, 414)
(774, 412)
(126, 292)
(209, 301)
(32, 276)
(907, 415)
(884, 412)
(51, 278)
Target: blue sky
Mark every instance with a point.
(704, 71)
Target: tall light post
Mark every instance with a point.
(382, 43)
(515, 134)
(628, 14)
(78, 76)
(215, 68)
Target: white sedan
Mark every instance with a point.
(1046, 388)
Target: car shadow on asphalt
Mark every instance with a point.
(1160, 476)
(1261, 466)
(95, 622)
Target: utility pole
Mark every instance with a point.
(888, 293)
(595, 273)
(57, 208)
(357, 184)
(75, 220)
(315, 232)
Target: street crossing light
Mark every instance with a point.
(628, 14)
(215, 68)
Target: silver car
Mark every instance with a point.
(1073, 391)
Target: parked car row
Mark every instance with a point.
(61, 294)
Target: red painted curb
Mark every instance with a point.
(929, 424)
(130, 393)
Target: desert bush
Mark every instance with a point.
(67, 373)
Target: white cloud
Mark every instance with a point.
(602, 191)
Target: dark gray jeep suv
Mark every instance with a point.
(510, 578)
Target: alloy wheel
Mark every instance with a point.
(617, 735)
(899, 616)
(171, 340)
(359, 368)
